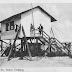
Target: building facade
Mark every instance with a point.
(35, 16)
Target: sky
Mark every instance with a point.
(60, 11)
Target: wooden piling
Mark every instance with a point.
(1, 46)
(24, 45)
(49, 45)
(21, 48)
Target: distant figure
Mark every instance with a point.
(31, 28)
(41, 29)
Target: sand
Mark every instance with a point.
(36, 62)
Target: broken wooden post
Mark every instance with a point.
(26, 43)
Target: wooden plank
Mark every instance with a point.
(5, 42)
(27, 44)
(14, 42)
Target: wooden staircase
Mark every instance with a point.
(55, 44)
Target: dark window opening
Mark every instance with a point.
(0, 31)
(7, 26)
(12, 25)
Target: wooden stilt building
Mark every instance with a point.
(17, 27)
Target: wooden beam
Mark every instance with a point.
(4, 42)
(14, 42)
(14, 49)
(9, 44)
(26, 43)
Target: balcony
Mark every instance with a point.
(35, 33)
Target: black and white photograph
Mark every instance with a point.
(34, 35)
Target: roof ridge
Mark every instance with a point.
(52, 18)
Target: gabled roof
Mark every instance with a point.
(52, 18)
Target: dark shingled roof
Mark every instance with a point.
(52, 18)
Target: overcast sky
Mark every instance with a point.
(61, 11)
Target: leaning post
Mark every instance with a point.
(27, 44)
(14, 43)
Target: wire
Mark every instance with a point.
(61, 31)
(52, 32)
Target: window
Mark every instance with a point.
(7, 26)
(12, 25)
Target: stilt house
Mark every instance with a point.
(40, 16)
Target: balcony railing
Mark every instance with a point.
(35, 33)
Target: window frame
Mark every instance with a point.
(12, 25)
(9, 27)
